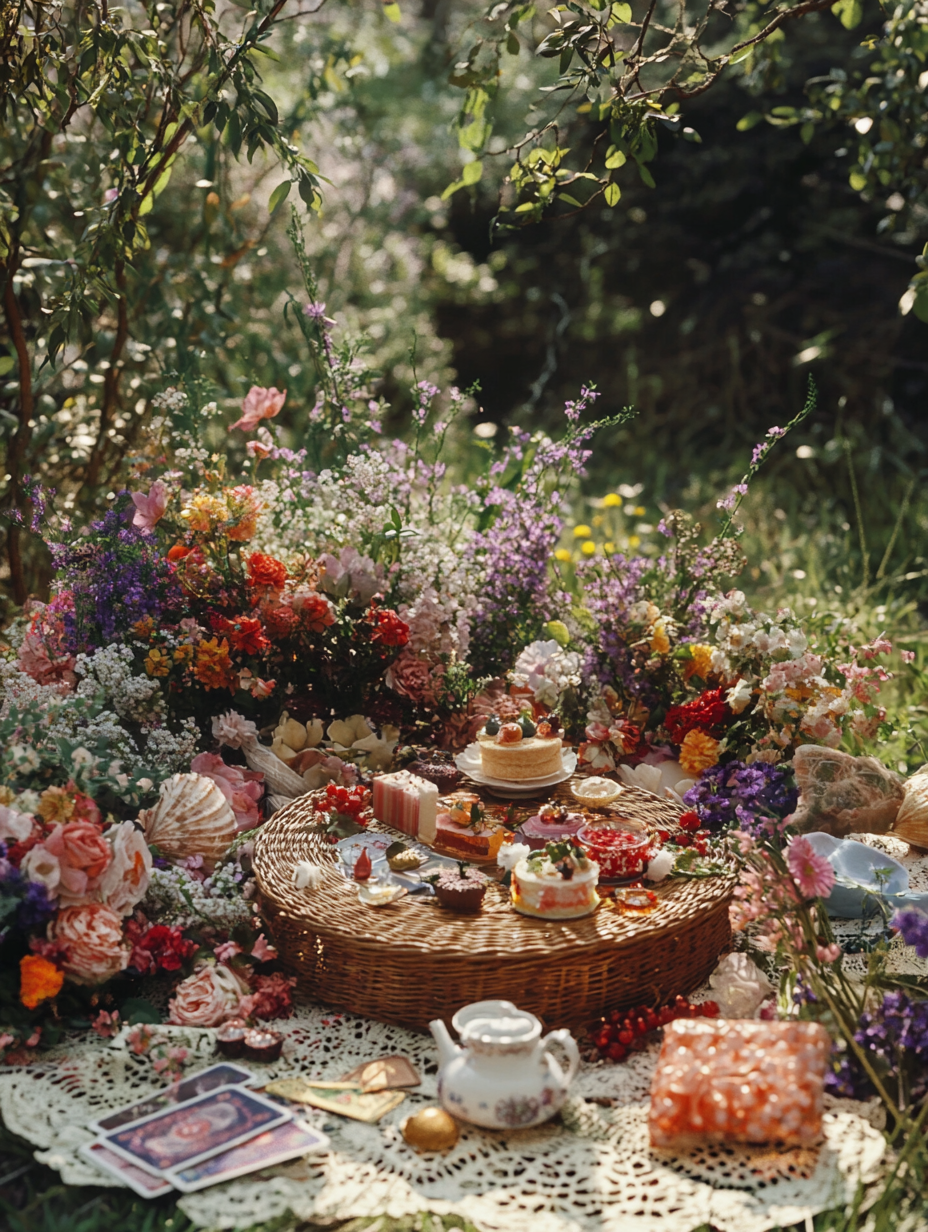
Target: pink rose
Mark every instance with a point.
(149, 510)
(242, 788)
(206, 998)
(91, 941)
(411, 677)
(259, 404)
(84, 856)
(126, 880)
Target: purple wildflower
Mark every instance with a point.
(753, 798)
(913, 925)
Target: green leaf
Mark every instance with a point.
(472, 172)
(612, 194)
(512, 44)
(807, 132)
(646, 176)
(392, 12)
(741, 55)
(614, 158)
(749, 121)
(920, 307)
(7, 364)
(559, 631)
(857, 181)
(622, 13)
(849, 12)
(138, 1009)
(280, 193)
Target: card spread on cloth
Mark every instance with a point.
(352, 1102)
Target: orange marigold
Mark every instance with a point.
(39, 980)
(213, 667)
(698, 752)
(266, 572)
(157, 663)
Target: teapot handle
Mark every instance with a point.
(569, 1045)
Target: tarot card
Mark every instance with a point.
(143, 1183)
(384, 1074)
(212, 1079)
(181, 1136)
(274, 1146)
(354, 1102)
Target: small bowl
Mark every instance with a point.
(619, 851)
(378, 893)
(605, 792)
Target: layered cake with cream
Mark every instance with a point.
(407, 803)
(557, 883)
(463, 829)
(516, 751)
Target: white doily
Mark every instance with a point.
(593, 1169)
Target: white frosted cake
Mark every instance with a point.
(558, 883)
(511, 756)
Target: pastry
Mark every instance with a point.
(517, 752)
(407, 803)
(461, 890)
(552, 823)
(437, 768)
(463, 830)
(557, 883)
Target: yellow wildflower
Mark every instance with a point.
(582, 532)
(204, 513)
(213, 666)
(563, 555)
(611, 500)
(640, 511)
(588, 547)
(56, 804)
(698, 752)
(660, 642)
(700, 664)
(183, 654)
(609, 548)
(634, 541)
(157, 662)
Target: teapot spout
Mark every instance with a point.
(447, 1048)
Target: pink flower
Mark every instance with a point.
(828, 953)
(14, 827)
(811, 872)
(91, 937)
(226, 951)
(242, 788)
(272, 997)
(259, 404)
(36, 661)
(412, 677)
(233, 729)
(105, 1024)
(149, 510)
(262, 950)
(139, 1039)
(206, 998)
(83, 855)
(110, 196)
(6, 1039)
(126, 880)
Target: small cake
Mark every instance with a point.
(437, 768)
(558, 883)
(552, 823)
(407, 803)
(230, 1038)
(263, 1045)
(462, 829)
(461, 889)
(516, 751)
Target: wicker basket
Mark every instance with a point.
(413, 961)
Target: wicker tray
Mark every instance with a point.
(414, 961)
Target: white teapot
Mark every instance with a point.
(504, 1077)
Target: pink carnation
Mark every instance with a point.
(272, 997)
(412, 677)
(35, 661)
(811, 872)
(242, 788)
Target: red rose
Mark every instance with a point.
(704, 713)
(265, 573)
(246, 635)
(313, 610)
(280, 621)
(388, 629)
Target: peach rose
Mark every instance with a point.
(84, 856)
(206, 998)
(91, 939)
(126, 880)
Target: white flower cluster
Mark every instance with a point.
(172, 399)
(16, 686)
(177, 899)
(547, 670)
(132, 696)
(172, 752)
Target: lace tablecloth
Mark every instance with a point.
(592, 1170)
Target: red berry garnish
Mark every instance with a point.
(690, 820)
(710, 1009)
(616, 1052)
(626, 1036)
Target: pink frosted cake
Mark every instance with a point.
(551, 824)
(407, 803)
(558, 883)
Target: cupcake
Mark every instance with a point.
(437, 768)
(461, 890)
(230, 1038)
(263, 1045)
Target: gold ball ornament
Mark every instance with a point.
(431, 1129)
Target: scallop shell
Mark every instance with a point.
(192, 818)
(911, 822)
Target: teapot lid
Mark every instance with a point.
(496, 1022)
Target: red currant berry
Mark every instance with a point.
(710, 1009)
(689, 821)
(617, 1052)
(626, 1037)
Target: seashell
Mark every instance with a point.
(280, 779)
(911, 822)
(291, 733)
(191, 818)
